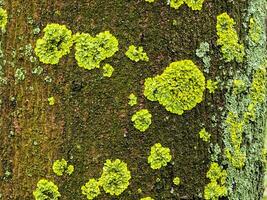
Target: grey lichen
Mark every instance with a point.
(245, 173)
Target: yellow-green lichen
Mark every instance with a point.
(3, 18)
(159, 156)
(115, 177)
(91, 189)
(238, 86)
(150, 1)
(176, 181)
(257, 93)
(146, 198)
(228, 39)
(142, 120)
(212, 86)
(90, 51)
(136, 54)
(46, 190)
(193, 4)
(216, 188)
(235, 127)
(179, 88)
(204, 135)
(132, 99)
(51, 101)
(108, 70)
(255, 31)
(61, 166)
(56, 43)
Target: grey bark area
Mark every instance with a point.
(91, 119)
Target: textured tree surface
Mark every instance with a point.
(91, 119)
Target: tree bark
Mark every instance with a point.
(91, 119)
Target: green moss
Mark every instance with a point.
(91, 189)
(211, 86)
(193, 4)
(255, 31)
(56, 43)
(176, 181)
(107, 70)
(136, 53)
(180, 87)
(159, 156)
(51, 101)
(216, 188)
(142, 120)
(3, 18)
(90, 51)
(61, 166)
(228, 39)
(204, 135)
(115, 177)
(46, 190)
(132, 99)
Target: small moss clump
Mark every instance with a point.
(180, 87)
(193, 4)
(212, 86)
(90, 51)
(56, 43)
(216, 188)
(132, 99)
(159, 156)
(3, 18)
(108, 70)
(61, 166)
(176, 181)
(142, 120)
(136, 53)
(91, 189)
(46, 190)
(115, 177)
(228, 39)
(204, 135)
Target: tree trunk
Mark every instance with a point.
(90, 121)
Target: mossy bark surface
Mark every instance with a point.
(91, 119)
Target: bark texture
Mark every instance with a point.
(91, 119)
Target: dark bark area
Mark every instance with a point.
(91, 119)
